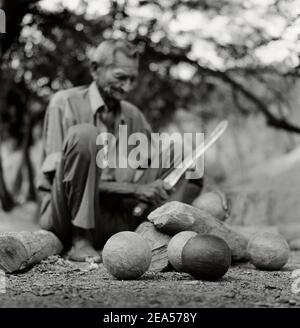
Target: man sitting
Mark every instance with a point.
(81, 203)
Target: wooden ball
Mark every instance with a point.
(126, 255)
(175, 247)
(211, 202)
(268, 251)
(206, 257)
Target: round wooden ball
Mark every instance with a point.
(206, 257)
(211, 202)
(268, 251)
(126, 255)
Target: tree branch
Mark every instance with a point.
(272, 120)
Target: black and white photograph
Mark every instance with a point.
(150, 156)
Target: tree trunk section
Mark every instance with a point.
(20, 250)
(174, 217)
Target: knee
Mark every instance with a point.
(81, 138)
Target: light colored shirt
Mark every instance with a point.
(81, 105)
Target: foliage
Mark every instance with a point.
(208, 57)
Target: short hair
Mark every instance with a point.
(104, 54)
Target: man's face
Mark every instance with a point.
(117, 79)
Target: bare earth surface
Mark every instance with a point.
(59, 283)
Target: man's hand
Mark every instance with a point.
(154, 193)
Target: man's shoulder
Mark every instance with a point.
(60, 97)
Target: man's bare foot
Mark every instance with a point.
(82, 249)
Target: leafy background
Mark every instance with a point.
(201, 61)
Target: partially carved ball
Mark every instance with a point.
(175, 247)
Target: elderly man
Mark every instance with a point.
(82, 203)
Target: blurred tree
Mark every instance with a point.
(205, 56)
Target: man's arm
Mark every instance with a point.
(120, 188)
(55, 127)
(52, 146)
(153, 193)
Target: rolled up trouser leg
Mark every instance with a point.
(73, 201)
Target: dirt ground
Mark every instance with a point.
(59, 283)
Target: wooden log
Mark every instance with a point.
(174, 217)
(158, 242)
(20, 250)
